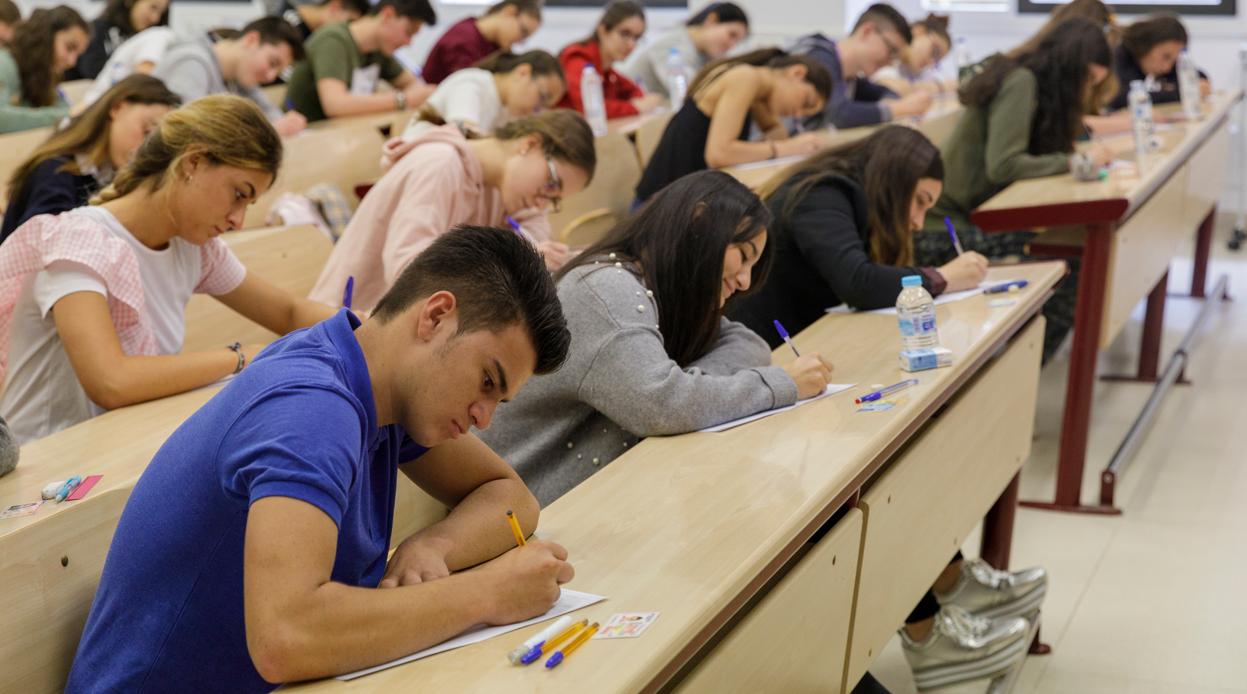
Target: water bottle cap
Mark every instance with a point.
(911, 281)
(588, 68)
(675, 50)
(1136, 84)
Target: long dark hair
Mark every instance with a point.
(541, 63)
(1145, 34)
(722, 11)
(1060, 65)
(679, 239)
(87, 133)
(887, 165)
(1094, 11)
(32, 47)
(616, 11)
(117, 13)
(815, 73)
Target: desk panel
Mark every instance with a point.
(920, 510)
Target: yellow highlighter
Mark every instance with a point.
(548, 646)
(515, 528)
(565, 651)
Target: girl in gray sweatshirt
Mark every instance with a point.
(651, 353)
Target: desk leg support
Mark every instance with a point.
(1080, 387)
(1203, 246)
(1153, 331)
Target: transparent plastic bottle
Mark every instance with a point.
(1188, 86)
(964, 66)
(915, 311)
(1141, 118)
(594, 102)
(677, 78)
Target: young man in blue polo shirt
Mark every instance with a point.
(253, 549)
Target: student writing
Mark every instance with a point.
(120, 21)
(275, 553)
(651, 353)
(708, 35)
(470, 40)
(44, 46)
(613, 39)
(92, 301)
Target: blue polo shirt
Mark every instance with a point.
(300, 422)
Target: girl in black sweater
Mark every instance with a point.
(79, 160)
(843, 232)
(1150, 48)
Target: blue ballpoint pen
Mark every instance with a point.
(350, 290)
(1007, 286)
(784, 334)
(883, 392)
(952, 234)
(515, 226)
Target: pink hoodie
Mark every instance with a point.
(435, 187)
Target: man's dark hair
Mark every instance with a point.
(885, 17)
(275, 30)
(498, 279)
(360, 7)
(532, 8)
(419, 10)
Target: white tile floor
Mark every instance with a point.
(1153, 600)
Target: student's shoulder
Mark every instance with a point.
(336, 35)
(610, 289)
(1020, 79)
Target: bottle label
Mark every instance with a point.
(917, 325)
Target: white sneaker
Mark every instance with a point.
(963, 647)
(988, 592)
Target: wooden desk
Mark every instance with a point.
(713, 530)
(936, 125)
(1133, 225)
(393, 122)
(75, 90)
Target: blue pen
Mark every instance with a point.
(784, 334)
(952, 234)
(515, 226)
(346, 293)
(1006, 287)
(68, 488)
(884, 392)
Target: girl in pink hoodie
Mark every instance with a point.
(446, 180)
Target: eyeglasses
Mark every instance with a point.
(552, 190)
(628, 36)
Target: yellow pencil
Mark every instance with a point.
(565, 651)
(515, 528)
(550, 644)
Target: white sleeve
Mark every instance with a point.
(62, 278)
(151, 47)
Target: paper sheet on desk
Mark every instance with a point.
(569, 601)
(941, 299)
(832, 389)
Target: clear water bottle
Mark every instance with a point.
(965, 68)
(594, 102)
(1141, 118)
(677, 78)
(1188, 86)
(915, 311)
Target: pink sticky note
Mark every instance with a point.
(82, 489)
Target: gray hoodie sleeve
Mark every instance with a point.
(633, 382)
(8, 449)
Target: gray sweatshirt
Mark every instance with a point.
(619, 386)
(189, 68)
(648, 66)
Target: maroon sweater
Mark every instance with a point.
(461, 46)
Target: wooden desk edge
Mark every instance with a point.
(707, 633)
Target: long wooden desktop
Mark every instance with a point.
(1126, 230)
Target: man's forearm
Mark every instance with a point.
(476, 529)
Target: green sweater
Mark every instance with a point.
(987, 151)
(16, 114)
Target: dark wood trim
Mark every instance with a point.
(1071, 213)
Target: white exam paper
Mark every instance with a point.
(832, 389)
(569, 601)
(939, 300)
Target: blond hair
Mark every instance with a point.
(227, 130)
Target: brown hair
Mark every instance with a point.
(88, 132)
(117, 13)
(564, 136)
(616, 11)
(9, 14)
(774, 58)
(227, 130)
(541, 62)
(936, 24)
(1145, 34)
(532, 8)
(1094, 11)
(887, 165)
(32, 46)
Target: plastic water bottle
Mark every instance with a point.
(677, 78)
(915, 311)
(964, 66)
(1188, 86)
(1141, 118)
(594, 102)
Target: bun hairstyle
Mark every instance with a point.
(227, 130)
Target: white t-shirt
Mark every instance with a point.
(469, 96)
(147, 46)
(42, 394)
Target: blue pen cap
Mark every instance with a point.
(911, 281)
(531, 656)
(554, 659)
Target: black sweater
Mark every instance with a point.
(1128, 70)
(47, 191)
(822, 259)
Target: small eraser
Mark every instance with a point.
(926, 358)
